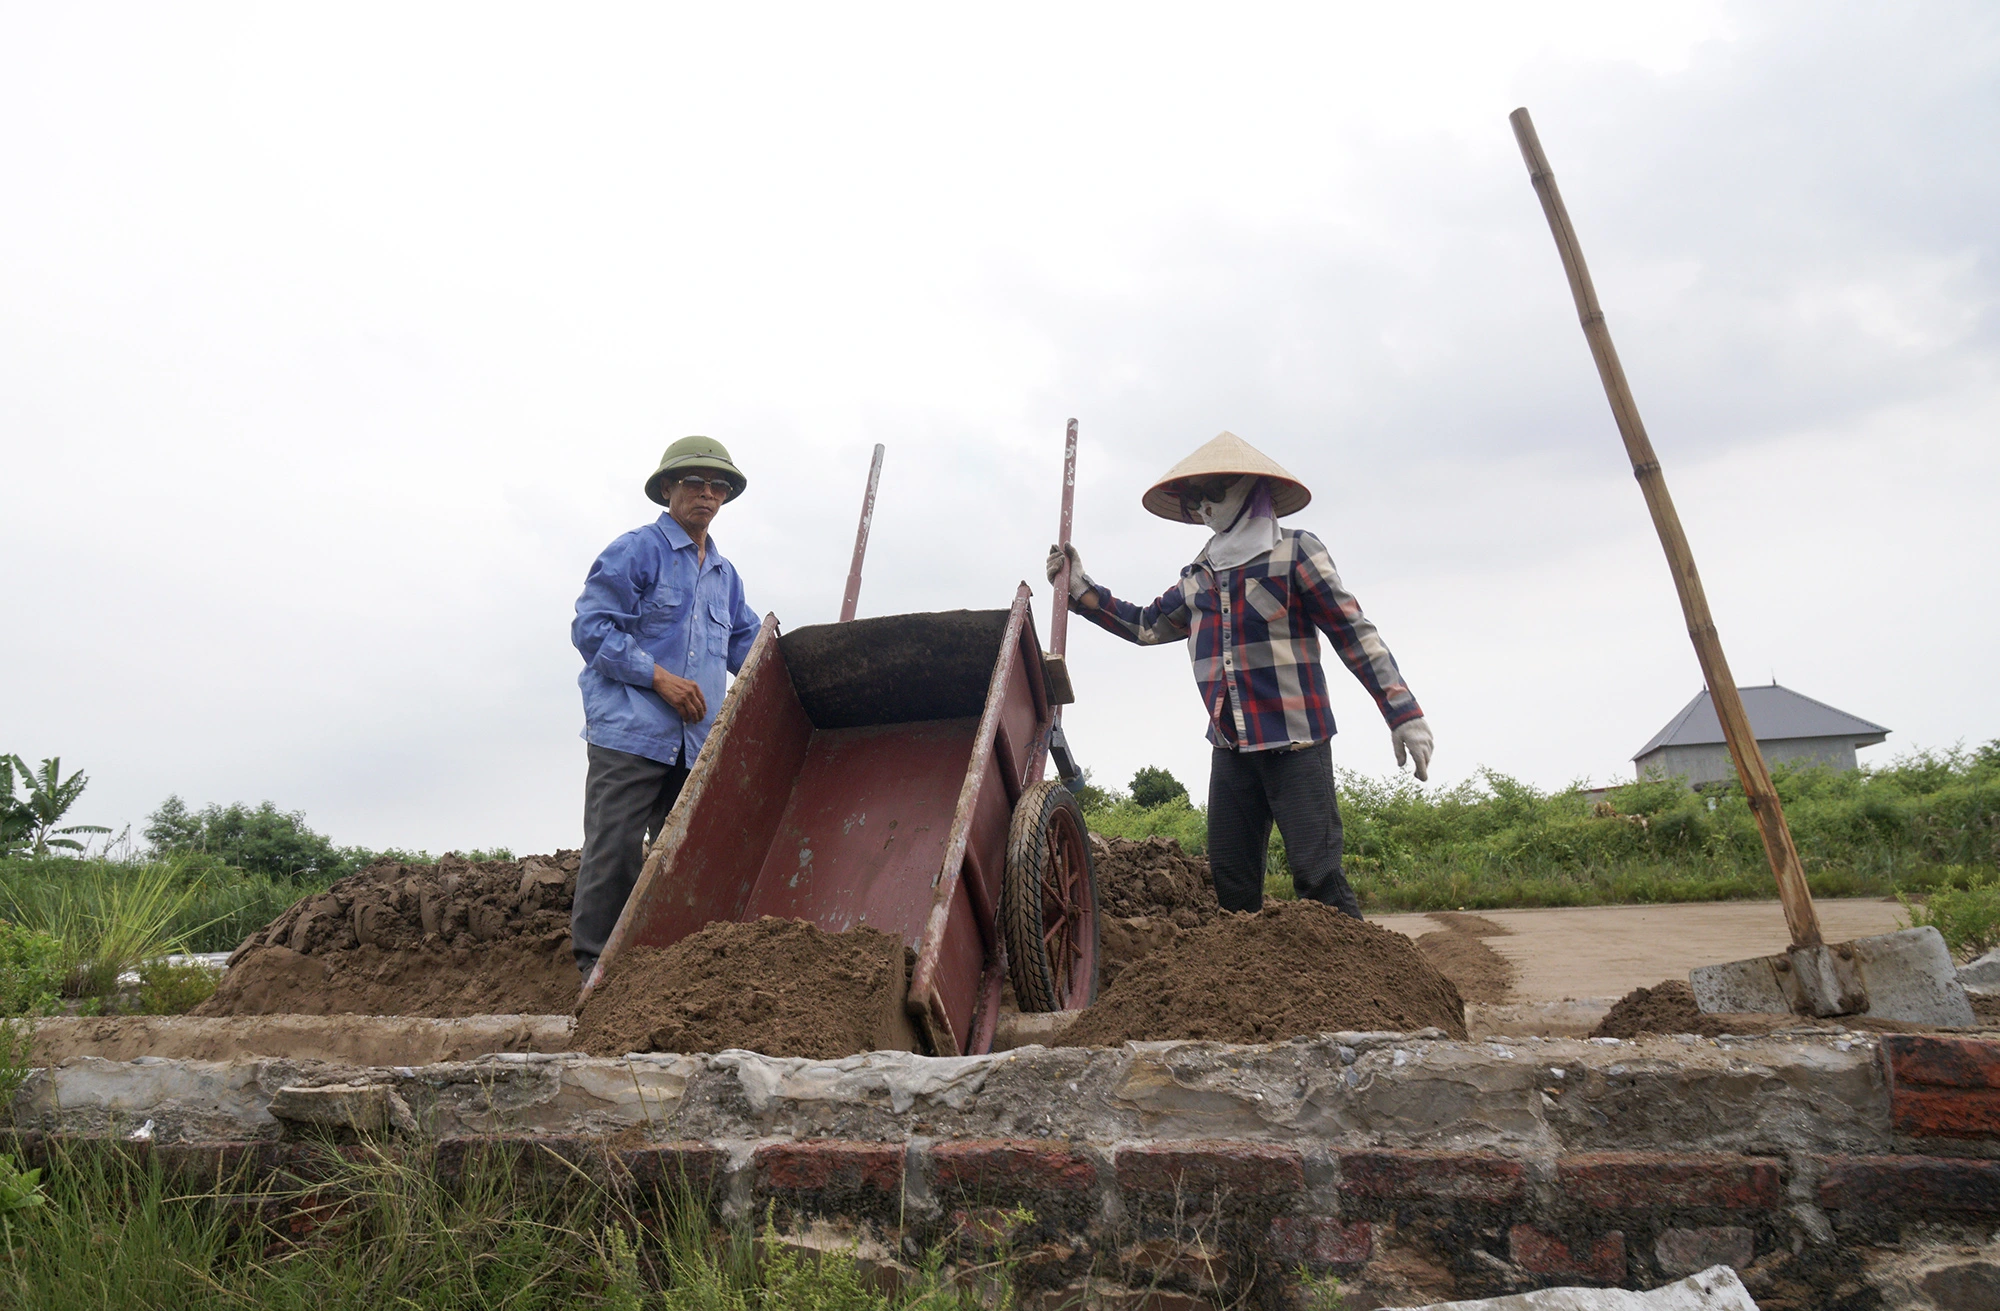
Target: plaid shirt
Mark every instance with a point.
(1250, 633)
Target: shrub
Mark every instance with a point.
(169, 989)
(31, 970)
(1968, 917)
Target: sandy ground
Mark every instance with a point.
(1606, 951)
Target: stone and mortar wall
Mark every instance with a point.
(1823, 1168)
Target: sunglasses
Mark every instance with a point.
(1213, 489)
(696, 484)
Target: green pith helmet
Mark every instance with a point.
(694, 453)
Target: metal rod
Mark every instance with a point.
(1059, 615)
(1757, 788)
(852, 597)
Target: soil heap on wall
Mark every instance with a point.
(454, 938)
(776, 986)
(1293, 968)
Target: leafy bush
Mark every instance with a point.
(169, 989)
(1173, 819)
(1968, 917)
(260, 839)
(32, 963)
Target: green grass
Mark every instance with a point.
(114, 1233)
(1927, 823)
(209, 906)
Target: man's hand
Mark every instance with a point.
(1413, 744)
(684, 696)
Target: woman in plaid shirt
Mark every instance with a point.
(1251, 608)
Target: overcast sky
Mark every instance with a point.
(334, 345)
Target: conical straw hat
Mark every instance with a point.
(1227, 453)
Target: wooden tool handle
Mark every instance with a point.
(1059, 612)
(1799, 913)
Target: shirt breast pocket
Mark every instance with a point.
(718, 627)
(1269, 597)
(660, 609)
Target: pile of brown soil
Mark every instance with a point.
(454, 938)
(1670, 1008)
(1479, 973)
(1294, 968)
(1152, 877)
(781, 987)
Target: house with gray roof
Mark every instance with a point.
(1790, 727)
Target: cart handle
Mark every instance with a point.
(1059, 616)
(852, 596)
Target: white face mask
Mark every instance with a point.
(1239, 537)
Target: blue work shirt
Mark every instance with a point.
(650, 601)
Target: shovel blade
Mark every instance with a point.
(1907, 975)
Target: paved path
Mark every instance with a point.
(1606, 951)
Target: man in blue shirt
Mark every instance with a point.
(662, 616)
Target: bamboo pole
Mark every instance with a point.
(1757, 788)
(851, 598)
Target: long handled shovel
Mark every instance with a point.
(1897, 976)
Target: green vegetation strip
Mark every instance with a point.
(1928, 823)
(105, 1231)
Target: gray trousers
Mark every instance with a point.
(1247, 791)
(625, 801)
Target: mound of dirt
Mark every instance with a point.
(450, 939)
(1479, 973)
(1293, 968)
(1670, 1008)
(780, 987)
(1153, 878)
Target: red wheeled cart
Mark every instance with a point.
(888, 772)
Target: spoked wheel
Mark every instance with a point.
(1048, 902)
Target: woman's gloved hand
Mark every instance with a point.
(1413, 744)
(1077, 585)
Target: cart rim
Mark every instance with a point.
(1067, 911)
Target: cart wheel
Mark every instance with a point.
(1048, 902)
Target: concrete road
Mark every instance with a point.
(1606, 951)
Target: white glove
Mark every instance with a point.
(1077, 585)
(1413, 744)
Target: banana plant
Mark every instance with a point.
(16, 820)
(49, 798)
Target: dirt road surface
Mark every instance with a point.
(1606, 951)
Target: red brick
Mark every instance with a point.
(1011, 1165)
(1639, 1181)
(1944, 1112)
(1942, 1087)
(239, 1162)
(667, 1167)
(1318, 1242)
(1410, 1176)
(1941, 1062)
(1198, 1169)
(816, 1166)
(1600, 1258)
(559, 1155)
(986, 1226)
(1910, 1183)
